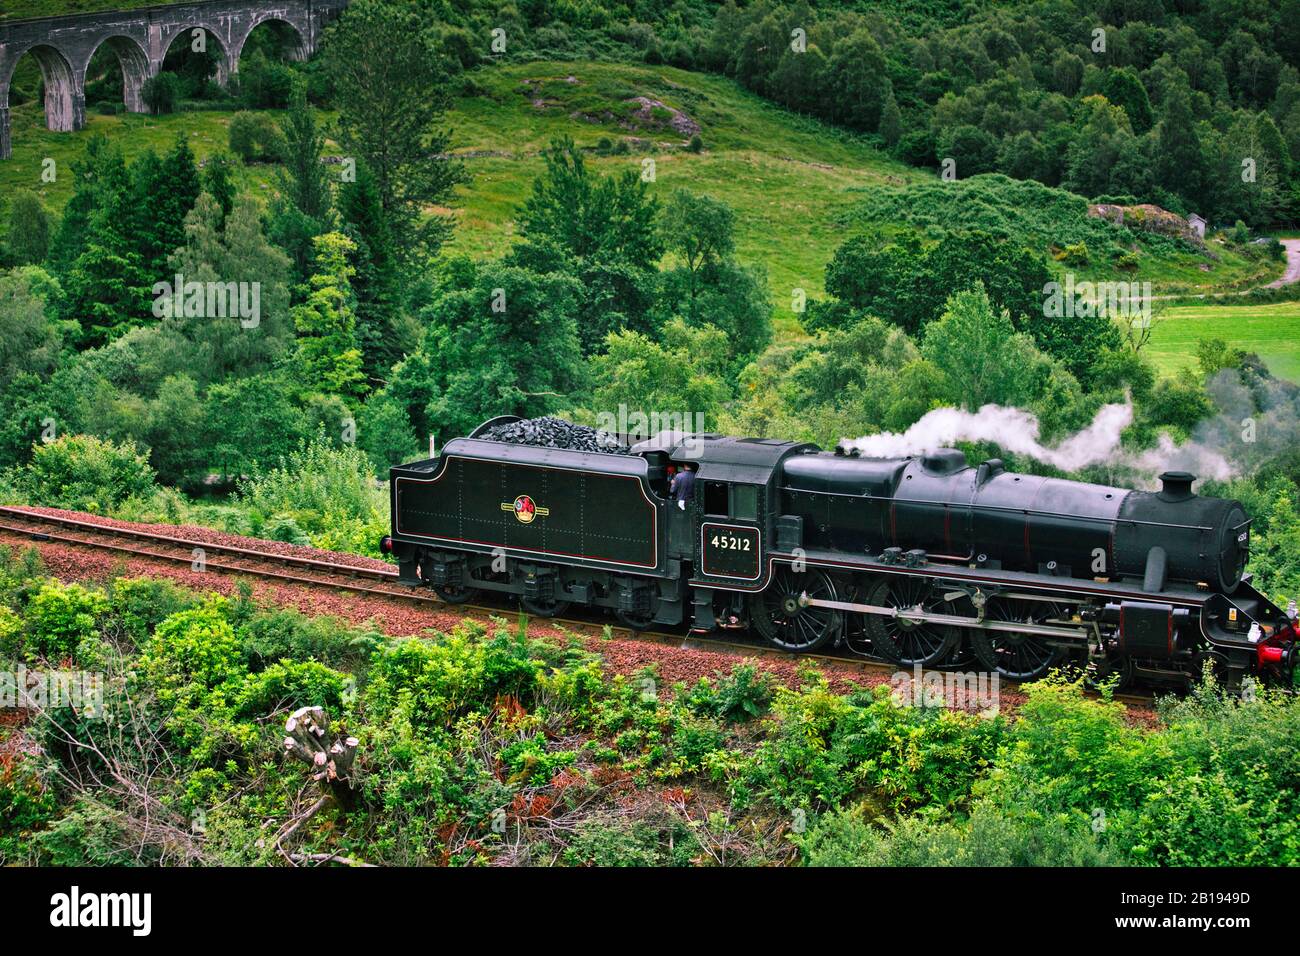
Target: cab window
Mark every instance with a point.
(744, 502)
(715, 498)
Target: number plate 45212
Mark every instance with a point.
(730, 551)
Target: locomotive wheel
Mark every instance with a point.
(856, 635)
(455, 595)
(777, 615)
(901, 641)
(1019, 657)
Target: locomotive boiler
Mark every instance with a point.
(920, 560)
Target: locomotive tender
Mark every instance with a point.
(919, 560)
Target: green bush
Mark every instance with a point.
(255, 137)
(162, 93)
(138, 605)
(328, 493)
(432, 683)
(845, 838)
(85, 473)
(28, 803)
(743, 694)
(273, 635)
(197, 646)
(826, 749)
(59, 617)
(288, 685)
(12, 642)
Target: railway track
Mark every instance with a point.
(374, 582)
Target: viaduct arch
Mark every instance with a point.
(64, 46)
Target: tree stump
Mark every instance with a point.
(330, 757)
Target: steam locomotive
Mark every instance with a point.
(921, 560)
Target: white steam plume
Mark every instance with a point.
(1017, 431)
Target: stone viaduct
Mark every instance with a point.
(140, 38)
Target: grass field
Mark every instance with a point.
(1272, 331)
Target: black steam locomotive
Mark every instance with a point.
(918, 560)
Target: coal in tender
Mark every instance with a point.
(555, 433)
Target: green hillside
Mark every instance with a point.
(797, 185)
(786, 176)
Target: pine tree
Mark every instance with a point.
(377, 281)
(218, 181)
(303, 178)
(392, 91)
(107, 290)
(326, 323)
(301, 211)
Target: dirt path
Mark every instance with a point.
(1292, 273)
(1290, 276)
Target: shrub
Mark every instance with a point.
(162, 93)
(612, 842)
(85, 473)
(271, 636)
(264, 83)
(826, 748)
(431, 683)
(327, 493)
(27, 804)
(12, 644)
(743, 694)
(1075, 255)
(254, 137)
(845, 838)
(138, 605)
(59, 617)
(290, 685)
(197, 646)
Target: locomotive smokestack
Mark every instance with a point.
(1176, 485)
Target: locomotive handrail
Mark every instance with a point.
(1027, 511)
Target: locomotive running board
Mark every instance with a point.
(929, 617)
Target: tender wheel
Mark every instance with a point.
(637, 622)
(905, 642)
(543, 608)
(1019, 657)
(778, 616)
(455, 595)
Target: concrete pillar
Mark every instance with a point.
(6, 148)
(78, 118)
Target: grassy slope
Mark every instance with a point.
(1273, 331)
(24, 9)
(786, 176)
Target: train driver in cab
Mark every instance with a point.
(683, 485)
